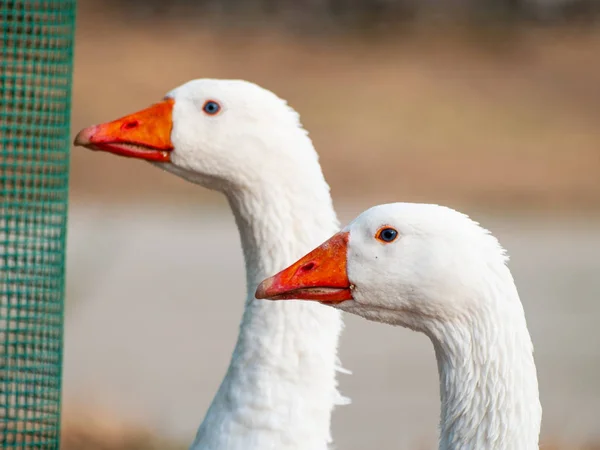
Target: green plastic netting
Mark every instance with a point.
(35, 92)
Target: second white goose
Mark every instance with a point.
(434, 270)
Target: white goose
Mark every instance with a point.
(235, 137)
(434, 270)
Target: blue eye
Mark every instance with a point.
(211, 107)
(386, 235)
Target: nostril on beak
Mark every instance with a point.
(130, 125)
(308, 267)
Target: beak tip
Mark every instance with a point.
(84, 137)
(262, 291)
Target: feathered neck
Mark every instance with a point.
(488, 381)
(280, 387)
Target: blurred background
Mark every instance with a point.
(489, 106)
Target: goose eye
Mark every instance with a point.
(211, 107)
(386, 235)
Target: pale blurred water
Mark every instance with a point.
(155, 297)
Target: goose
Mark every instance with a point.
(433, 270)
(238, 138)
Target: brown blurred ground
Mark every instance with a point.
(84, 437)
(503, 118)
(82, 431)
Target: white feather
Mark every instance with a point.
(280, 388)
(447, 277)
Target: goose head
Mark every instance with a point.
(218, 133)
(407, 264)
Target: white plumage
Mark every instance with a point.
(235, 137)
(443, 275)
(280, 388)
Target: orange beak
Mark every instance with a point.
(144, 135)
(321, 276)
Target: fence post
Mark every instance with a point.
(36, 66)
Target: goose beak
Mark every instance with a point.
(320, 276)
(145, 134)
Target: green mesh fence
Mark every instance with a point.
(35, 89)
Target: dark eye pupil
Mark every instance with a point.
(211, 107)
(388, 234)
